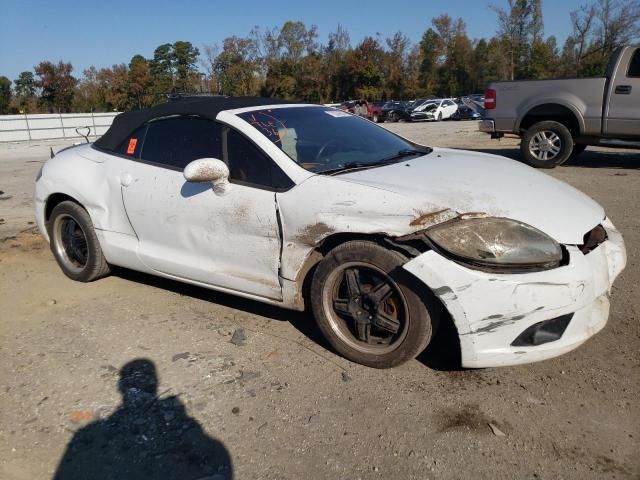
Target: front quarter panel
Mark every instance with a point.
(326, 205)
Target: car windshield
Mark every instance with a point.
(327, 140)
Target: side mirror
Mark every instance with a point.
(209, 170)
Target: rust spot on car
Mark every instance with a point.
(432, 218)
(312, 234)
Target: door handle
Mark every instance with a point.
(623, 89)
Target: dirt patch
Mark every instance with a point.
(29, 241)
(312, 234)
(469, 416)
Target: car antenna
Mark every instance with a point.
(86, 137)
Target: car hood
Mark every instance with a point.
(471, 182)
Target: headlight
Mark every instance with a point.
(497, 243)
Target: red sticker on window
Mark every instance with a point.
(132, 145)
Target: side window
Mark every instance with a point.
(247, 164)
(133, 144)
(175, 142)
(634, 64)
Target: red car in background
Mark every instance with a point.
(375, 112)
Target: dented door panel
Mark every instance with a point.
(189, 231)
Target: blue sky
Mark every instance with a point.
(104, 32)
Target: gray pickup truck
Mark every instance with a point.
(557, 119)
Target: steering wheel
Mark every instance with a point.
(323, 148)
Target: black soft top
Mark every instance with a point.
(208, 107)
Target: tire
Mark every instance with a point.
(395, 117)
(375, 118)
(385, 293)
(74, 243)
(439, 119)
(546, 144)
(578, 148)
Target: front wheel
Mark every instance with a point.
(367, 307)
(546, 144)
(74, 243)
(375, 118)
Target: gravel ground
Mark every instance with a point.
(226, 387)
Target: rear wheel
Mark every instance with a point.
(546, 144)
(74, 243)
(366, 306)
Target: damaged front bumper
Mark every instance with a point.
(492, 310)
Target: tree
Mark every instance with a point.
(363, 64)
(544, 59)
(5, 94)
(140, 83)
(617, 23)
(237, 66)
(25, 89)
(431, 48)
(162, 68)
(518, 25)
(291, 61)
(90, 94)
(114, 83)
(183, 59)
(56, 84)
(582, 22)
(331, 69)
(395, 73)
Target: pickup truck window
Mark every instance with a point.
(634, 64)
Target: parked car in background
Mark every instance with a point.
(396, 111)
(557, 119)
(439, 109)
(375, 112)
(348, 106)
(260, 198)
(465, 112)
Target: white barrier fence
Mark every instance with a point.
(53, 126)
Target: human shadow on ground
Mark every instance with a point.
(624, 159)
(146, 437)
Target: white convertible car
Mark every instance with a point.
(297, 204)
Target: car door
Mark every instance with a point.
(622, 117)
(449, 108)
(186, 230)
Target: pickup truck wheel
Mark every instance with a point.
(367, 307)
(546, 144)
